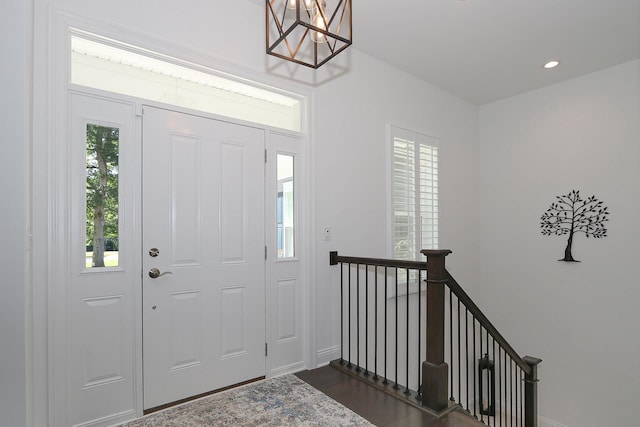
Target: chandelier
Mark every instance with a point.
(308, 32)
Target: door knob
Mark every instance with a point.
(154, 273)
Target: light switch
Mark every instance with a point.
(327, 233)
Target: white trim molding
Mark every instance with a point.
(545, 422)
(326, 355)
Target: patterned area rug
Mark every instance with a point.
(281, 401)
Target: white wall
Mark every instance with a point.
(14, 109)
(351, 159)
(580, 318)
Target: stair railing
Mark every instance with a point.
(410, 329)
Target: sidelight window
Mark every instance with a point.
(285, 207)
(102, 209)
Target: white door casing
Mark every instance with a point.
(203, 210)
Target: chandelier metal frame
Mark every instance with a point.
(300, 31)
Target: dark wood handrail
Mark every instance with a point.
(485, 323)
(334, 259)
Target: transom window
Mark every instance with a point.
(109, 65)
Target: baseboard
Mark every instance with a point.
(326, 355)
(545, 422)
(542, 422)
(288, 369)
(111, 420)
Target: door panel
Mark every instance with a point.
(203, 210)
(94, 342)
(287, 294)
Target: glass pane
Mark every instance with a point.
(102, 196)
(429, 196)
(285, 204)
(123, 70)
(415, 197)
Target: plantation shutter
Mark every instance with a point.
(415, 193)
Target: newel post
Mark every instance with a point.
(531, 392)
(435, 370)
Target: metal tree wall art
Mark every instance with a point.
(570, 214)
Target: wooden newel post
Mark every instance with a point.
(531, 392)
(435, 370)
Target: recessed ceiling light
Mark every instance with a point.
(551, 64)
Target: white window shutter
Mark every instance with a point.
(414, 193)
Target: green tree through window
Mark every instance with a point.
(102, 196)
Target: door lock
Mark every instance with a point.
(154, 273)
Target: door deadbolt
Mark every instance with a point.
(154, 252)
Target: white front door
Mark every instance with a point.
(203, 230)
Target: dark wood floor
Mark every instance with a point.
(375, 405)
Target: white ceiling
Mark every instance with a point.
(486, 50)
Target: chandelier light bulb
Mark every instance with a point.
(308, 4)
(319, 21)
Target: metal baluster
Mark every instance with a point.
(515, 393)
(511, 390)
(480, 379)
(520, 395)
(385, 381)
(499, 370)
(396, 387)
(492, 393)
(466, 352)
(493, 390)
(358, 318)
(505, 414)
(341, 314)
(406, 390)
(505, 389)
(349, 365)
(459, 356)
(489, 358)
(451, 398)
(375, 320)
(521, 398)
(366, 321)
(475, 385)
(419, 391)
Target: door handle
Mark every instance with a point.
(154, 273)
